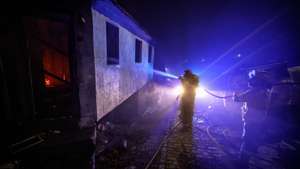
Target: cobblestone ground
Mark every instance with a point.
(212, 143)
(142, 141)
(208, 146)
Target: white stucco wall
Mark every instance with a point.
(115, 83)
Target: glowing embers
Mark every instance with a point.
(47, 82)
(56, 67)
(51, 81)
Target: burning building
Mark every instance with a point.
(73, 60)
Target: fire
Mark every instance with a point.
(47, 82)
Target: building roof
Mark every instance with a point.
(117, 14)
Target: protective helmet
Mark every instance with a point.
(187, 71)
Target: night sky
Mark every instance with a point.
(193, 33)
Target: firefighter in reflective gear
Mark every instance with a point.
(189, 83)
(255, 101)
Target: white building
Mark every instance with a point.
(123, 56)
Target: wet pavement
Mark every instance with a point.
(217, 147)
(212, 143)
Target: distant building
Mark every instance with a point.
(73, 59)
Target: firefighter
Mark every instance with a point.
(255, 101)
(280, 102)
(189, 83)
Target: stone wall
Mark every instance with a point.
(115, 83)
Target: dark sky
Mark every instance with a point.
(194, 33)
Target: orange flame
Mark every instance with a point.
(47, 82)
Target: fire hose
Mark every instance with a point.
(229, 96)
(217, 96)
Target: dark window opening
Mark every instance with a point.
(48, 46)
(112, 42)
(150, 50)
(51, 42)
(138, 51)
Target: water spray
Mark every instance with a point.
(165, 74)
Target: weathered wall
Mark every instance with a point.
(83, 52)
(115, 83)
